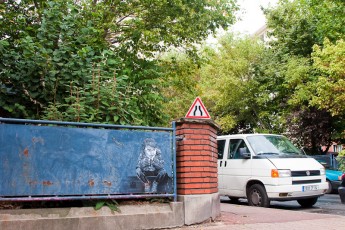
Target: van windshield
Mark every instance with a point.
(273, 145)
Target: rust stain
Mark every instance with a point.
(91, 183)
(47, 183)
(32, 183)
(107, 183)
(26, 152)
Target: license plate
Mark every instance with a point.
(310, 188)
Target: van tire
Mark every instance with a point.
(257, 196)
(307, 203)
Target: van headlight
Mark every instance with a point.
(275, 173)
(322, 171)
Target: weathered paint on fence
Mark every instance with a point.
(85, 162)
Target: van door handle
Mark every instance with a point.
(220, 163)
(225, 163)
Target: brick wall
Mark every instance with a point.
(196, 157)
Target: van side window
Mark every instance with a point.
(236, 147)
(221, 146)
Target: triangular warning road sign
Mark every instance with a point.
(198, 110)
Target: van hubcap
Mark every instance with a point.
(256, 197)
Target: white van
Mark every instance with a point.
(265, 167)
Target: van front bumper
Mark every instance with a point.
(294, 192)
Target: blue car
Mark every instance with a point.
(332, 172)
(332, 177)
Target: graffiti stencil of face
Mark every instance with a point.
(150, 151)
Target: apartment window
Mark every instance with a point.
(337, 148)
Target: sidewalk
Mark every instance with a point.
(240, 217)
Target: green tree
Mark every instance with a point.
(329, 88)
(228, 84)
(296, 27)
(44, 47)
(54, 53)
(181, 82)
(324, 94)
(300, 24)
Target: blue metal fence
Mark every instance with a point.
(52, 160)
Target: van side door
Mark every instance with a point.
(238, 168)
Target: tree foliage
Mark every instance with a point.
(181, 82)
(289, 86)
(300, 24)
(329, 88)
(299, 27)
(228, 85)
(341, 160)
(319, 97)
(95, 60)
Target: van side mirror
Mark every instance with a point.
(244, 152)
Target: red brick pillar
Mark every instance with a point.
(196, 159)
(196, 164)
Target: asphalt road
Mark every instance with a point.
(327, 204)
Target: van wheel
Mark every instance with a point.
(257, 196)
(307, 203)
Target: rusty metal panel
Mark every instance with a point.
(43, 160)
